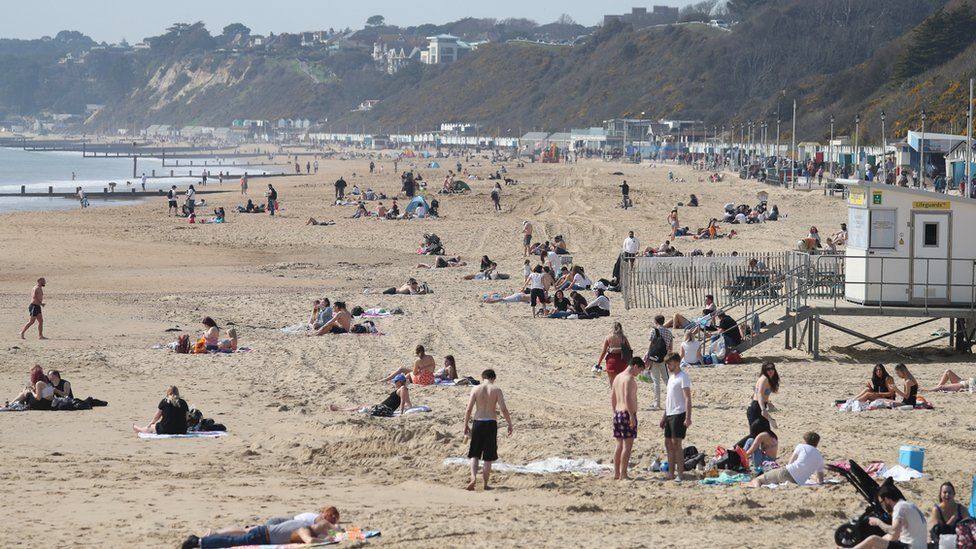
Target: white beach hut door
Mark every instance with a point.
(930, 257)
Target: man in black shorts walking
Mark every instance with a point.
(171, 196)
(485, 400)
(677, 416)
(34, 309)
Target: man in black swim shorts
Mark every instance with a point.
(485, 400)
(34, 309)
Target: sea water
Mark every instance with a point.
(65, 171)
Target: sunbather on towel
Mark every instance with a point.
(412, 287)
(340, 323)
(518, 297)
(398, 399)
(441, 263)
(170, 417)
(422, 372)
(950, 383)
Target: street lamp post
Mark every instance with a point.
(830, 146)
(884, 149)
(857, 154)
(921, 154)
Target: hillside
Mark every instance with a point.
(836, 57)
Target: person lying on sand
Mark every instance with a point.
(340, 323)
(170, 417)
(518, 297)
(291, 531)
(951, 383)
(441, 263)
(398, 399)
(313, 221)
(489, 273)
(329, 514)
(412, 287)
(422, 372)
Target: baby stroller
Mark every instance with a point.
(432, 245)
(857, 529)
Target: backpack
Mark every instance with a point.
(733, 357)
(626, 352)
(658, 348)
(183, 344)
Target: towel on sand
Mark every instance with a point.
(413, 410)
(198, 434)
(542, 467)
(339, 537)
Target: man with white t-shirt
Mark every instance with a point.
(907, 529)
(677, 416)
(805, 462)
(631, 245)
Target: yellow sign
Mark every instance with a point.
(856, 197)
(932, 205)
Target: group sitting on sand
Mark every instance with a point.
(412, 287)
(49, 392)
(425, 371)
(209, 341)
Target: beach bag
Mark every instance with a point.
(183, 344)
(658, 348)
(200, 346)
(733, 357)
(357, 311)
(966, 534)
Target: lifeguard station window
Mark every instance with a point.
(930, 235)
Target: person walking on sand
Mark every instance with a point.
(623, 400)
(526, 237)
(677, 416)
(34, 309)
(272, 195)
(340, 188)
(171, 197)
(244, 184)
(485, 400)
(496, 197)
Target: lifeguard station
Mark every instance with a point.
(910, 254)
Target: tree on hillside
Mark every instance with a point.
(939, 38)
(742, 8)
(565, 19)
(375, 21)
(236, 29)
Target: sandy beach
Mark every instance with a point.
(122, 279)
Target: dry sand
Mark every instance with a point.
(119, 278)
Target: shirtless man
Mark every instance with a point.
(485, 398)
(526, 237)
(340, 322)
(623, 400)
(34, 309)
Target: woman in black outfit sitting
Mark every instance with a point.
(882, 385)
(910, 393)
(62, 387)
(170, 418)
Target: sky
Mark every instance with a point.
(112, 20)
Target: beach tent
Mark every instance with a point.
(461, 186)
(425, 154)
(435, 165)
(416, 203)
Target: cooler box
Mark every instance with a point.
(912, 456)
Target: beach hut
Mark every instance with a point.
(417, 202)
(909, 247)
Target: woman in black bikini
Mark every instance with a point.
(910, 393)
(882, 385)
(758, 412)
(947, 507)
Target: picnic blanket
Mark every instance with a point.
(198, 434)
(882, 404)
(902, 474)
(543, 467)
(726, 478)
(379, 312)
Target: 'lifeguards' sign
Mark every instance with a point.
(932, 205)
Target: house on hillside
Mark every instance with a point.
(639, 18)
(393, 57)
(443, 49)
